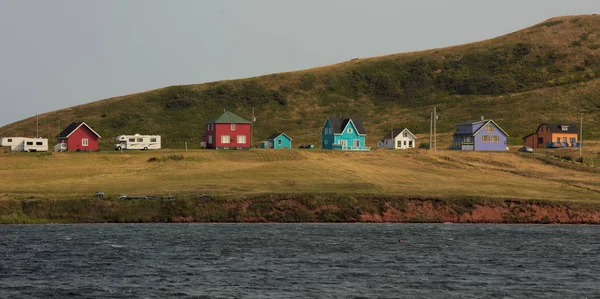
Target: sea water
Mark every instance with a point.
(299, 261)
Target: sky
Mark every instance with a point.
(61, 53)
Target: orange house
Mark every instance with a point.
(553, 136)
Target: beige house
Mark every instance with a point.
(398, 139)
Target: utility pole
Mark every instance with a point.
(434, 129)
(431, 131)
(37, 126)
(252, 127)
(581, 136)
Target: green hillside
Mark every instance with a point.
(547, 72)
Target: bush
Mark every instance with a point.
(579, 160)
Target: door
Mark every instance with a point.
(357, 143)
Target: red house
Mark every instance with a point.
(227, 131)
(77, 137)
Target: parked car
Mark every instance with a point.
(526, 149)
(308, 146)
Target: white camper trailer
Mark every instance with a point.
(137, 141)
(24, 144)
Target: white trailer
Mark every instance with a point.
(24, 144)
(137, 141)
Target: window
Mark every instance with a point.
(399, 143)
(410, 143)
(84, 142)
(356, 143)
(564, 127)
(404, 142)
(241, 139)
(131, 139)
(349, 131)
(564, 139)
(38, 143)
(557, 139)
(233, 127)
(9, 139)
(224, 139)
(343, 142)
(29, 142)
(573, 140)
(540, 140)
(209, 139)
(326, 142)
(405, 134)
(279, 142)
(489, 128)
(490, 138)
(152, 139)
(140, 140)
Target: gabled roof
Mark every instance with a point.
(228, 118)
(556, 128)
(487, 122)
(72, 128)
(339, 123)
(275, 135)
(396, 132)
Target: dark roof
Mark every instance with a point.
(556, 128)
(68, 130)
(471, 122)
(275, 135)
(476, 130)
(228, 118)
(72, 127)
(339, 123)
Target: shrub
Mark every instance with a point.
(576, 43)
(579, 160)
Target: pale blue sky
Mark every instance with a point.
(60, 53)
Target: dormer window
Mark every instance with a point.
(564, 127)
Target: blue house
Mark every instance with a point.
(344, 134)
(277, 140)
(479, 135)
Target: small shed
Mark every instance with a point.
(77, 137)
(277, 140)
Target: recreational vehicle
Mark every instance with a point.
(137, 141)
(24, 144)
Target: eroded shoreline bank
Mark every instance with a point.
(314, 207)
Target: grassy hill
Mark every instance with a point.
(547, 72)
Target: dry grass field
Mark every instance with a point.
(443, 173)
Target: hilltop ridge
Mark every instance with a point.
(544, 73)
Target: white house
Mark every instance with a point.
(398, 139)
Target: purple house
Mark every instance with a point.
(479, 135)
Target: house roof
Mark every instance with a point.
(483, 124)
(339, 123)
(72, 128)
(471, 122)
(556, 128)
(275, 135)
(228, 118)
(395, 132)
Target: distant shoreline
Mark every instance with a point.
(298, 207)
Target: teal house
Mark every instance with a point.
(347, 134)
(277, 140)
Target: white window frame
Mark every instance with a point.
(233, 127)
(241, 139)
(224, 138)
(209, 139)
(278, 141)
(356, 143)
(343, 142)
(85, 142)
(349, 130)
